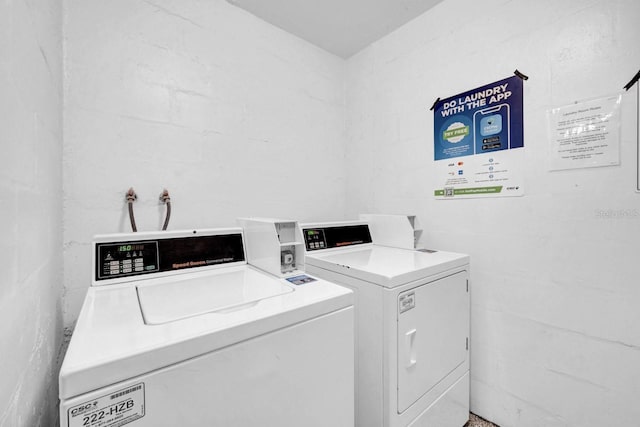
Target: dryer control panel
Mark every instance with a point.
(336, 236)
(135, 257)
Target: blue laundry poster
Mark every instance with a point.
(478, 141)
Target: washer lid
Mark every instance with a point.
(386, 266)
(183, 297)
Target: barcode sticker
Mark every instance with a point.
(130, 390)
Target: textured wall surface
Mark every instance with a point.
(232, 115)
(30, 211)
(555, 330)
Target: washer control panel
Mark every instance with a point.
(122, 258)
(127, 258)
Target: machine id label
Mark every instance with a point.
(113, 410)
(407, 301)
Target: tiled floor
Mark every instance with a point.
(476, 421)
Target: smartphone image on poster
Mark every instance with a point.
(491, 129)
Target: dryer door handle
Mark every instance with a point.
(410, 338)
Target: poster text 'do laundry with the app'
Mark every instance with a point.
(479, 142)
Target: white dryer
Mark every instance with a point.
(177, 330)
(412, 325)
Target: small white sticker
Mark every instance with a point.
(407, 302)
(112, 410)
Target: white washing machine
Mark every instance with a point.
(177, 330)
(412, 325)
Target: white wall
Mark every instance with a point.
(232, 115)
(555, 330)
(30, 211)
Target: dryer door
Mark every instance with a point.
(433, 326)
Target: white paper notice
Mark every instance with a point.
(585, 134)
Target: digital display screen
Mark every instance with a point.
(129, 248)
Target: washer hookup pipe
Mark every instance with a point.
(164, 198)
(131, 197)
